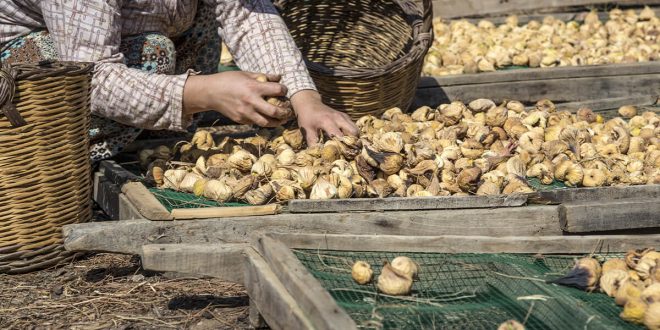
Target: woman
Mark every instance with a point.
(148, 54)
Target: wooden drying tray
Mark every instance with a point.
(540, 213)
(284, 295)
(152, 209)
(488, 8)
(599, 87)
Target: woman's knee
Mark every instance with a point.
(150, 52)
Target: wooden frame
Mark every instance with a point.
(612, 85)
(287, 296)
(320, 311)
(481, 8)
(538, 214)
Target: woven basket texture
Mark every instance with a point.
(45, 171)
(364, 56)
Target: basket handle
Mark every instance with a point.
(7, 91)
(412, 9)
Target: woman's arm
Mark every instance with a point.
(259, 40)
(90, 31)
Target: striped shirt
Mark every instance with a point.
(91, 31)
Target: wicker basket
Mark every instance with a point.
(45, 179)
(364, 56)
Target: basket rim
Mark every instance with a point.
(422, 36)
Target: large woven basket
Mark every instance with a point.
(44, 161)
(365, 56)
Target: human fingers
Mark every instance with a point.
(312, 136)
(271, 110)
(271, 89)
(332, 129)
(256, 118)
(347, 125)
(264, 77)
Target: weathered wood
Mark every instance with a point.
(145, 202)
(560, 90)
(314, 300)
(116, 174)
(469, 244)
(255, 318)
(107, 197)
(534, 74)
(476, 8)
(270, 297)
(129, 236)
(610, 104)
(604, 194)
(581, 217)
(563, 14)
(223, 261)
(126, 209)
(405, 203)
(225, 212)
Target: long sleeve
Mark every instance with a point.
(90, 30)
(259, 40)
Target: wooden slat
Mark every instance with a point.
(609, 103)
(533, 74)
(604, 194)
(145, 202)
(560, 90)
(129, 236)
(223, 261)
(314, 300)
(115, 173)
(472, 8)
(225, 212)
(405, 203)
(470, 244)
(107, 197)
(581, 217)
(254, 316)
(270, 297)
(126, 209)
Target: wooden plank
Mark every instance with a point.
(254, 316)
(563, 14)
(469, 244)
(559, 90)
(314, 300)
(116, 174)
(107, 197)
(610, 103)
(126, 209)
(405, 203)
(145, 202)
(581, 217)
(473, 8)
(129, 236)
(533, 74)
(223, 261)
(225, 212)
(270, 297)
(559, 196)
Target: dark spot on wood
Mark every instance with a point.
(384, 223)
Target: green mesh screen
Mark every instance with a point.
(465, 291)
(179, 200)
(537, 185)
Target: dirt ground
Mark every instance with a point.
(110, 291)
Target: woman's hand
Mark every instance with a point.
(314, 116)
(237, 95)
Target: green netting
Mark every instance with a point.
(513, 67)
(537, 185)
(466, 291)
(179, 200)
